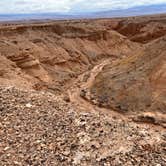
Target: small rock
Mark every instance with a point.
(83, 93)
(6, 148)
(28, 105)
(66, 98)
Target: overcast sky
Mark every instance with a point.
(63, 6)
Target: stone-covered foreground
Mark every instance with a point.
(38, 128)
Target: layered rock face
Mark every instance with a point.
(134, 83)
(52, 55)
(143, 29)
(49, 54)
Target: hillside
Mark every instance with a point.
(134, 84)
(45, 55)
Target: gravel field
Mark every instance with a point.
(39, 128)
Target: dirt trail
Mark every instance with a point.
(84, 105)
(80, 84)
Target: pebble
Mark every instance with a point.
(28, 105)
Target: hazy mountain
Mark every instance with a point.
(8, 17)
(136, 11)
(141, 10)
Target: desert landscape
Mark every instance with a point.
(89, 92)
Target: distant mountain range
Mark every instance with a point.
(136, 11)
(34, 16)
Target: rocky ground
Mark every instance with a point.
(42, 129)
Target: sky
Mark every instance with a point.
(69, 6)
